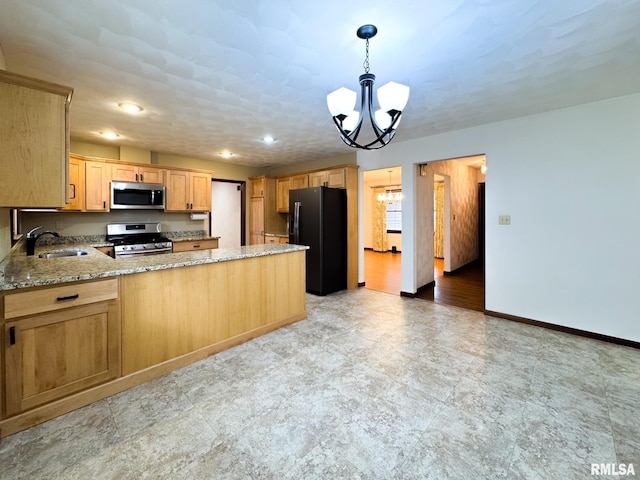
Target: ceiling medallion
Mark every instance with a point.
(392, 98)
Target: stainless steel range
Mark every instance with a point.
(134, 239)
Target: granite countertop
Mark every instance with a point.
(20, 271)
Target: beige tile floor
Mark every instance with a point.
(370, 386)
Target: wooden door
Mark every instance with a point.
(76, 185)
(177, 191)
(282, 189)
(336, 178)
(317, 179)
(124, 173)
(299, 181)
(34, 142)
(97, 178)
(150, 175)
(53, 355)
(200, 192)
(256, 220)
(256, 187)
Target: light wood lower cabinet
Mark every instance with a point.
(192, 245)
(274, 239)
(205, 305)
(71, 344)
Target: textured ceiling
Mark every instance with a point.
(219, 75)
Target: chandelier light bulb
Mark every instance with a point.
(393, 96)
(341, 101)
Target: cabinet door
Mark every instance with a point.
(56, 354)
(97, 178)
(317, 179)
(256, 239)
(150, 175)
(76, 185)
(124, 173)
(200, 192)
(256, 187)
(193, 245)
(299, 181)
(34, 142)
(282, 187)
(336, 178)
(177, 191)
(257, 220)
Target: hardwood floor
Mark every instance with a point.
(382, 271)
(462, 288)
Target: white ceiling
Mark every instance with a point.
(219, 75)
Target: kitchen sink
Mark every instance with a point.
(75, 252)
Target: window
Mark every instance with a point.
(394, 216)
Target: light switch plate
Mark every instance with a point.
(504, 220)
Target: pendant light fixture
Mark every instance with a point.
(392, 98)
(390, 195)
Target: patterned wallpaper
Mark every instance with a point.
(463, 217)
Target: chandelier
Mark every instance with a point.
(392, 98)
(390, 196)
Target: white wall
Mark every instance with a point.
(569, 180)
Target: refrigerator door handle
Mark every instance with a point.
(296, 222)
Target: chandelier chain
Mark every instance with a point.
(366, 58)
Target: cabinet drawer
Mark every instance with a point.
(57, 298)
(189, 246)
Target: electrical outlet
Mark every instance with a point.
(504, 220)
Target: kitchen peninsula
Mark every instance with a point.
(78, 329)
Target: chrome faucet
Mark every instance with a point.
(32, 238)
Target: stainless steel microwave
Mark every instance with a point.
(137, 196)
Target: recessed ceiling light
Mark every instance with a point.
(110, 135)
(268, 139)
(226, 154)
(130, 107)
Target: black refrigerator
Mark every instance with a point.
(318, 219)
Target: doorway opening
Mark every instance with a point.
(458, 232)
(227, 219)
(383, 229)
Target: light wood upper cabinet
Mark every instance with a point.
(257, 187)
(137, 173)
(97, 179)
(188, 191)
(68, 346)
(282, 187)
(34, 142)
(76, 185)
(286, 184)
(200, 186)
(298, 181)
(334, 178)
